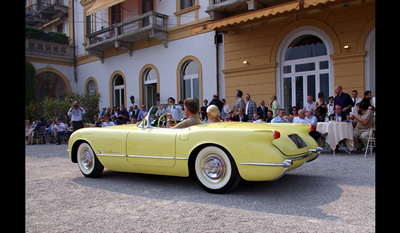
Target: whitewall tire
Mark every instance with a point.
(88, 163)
(216, 170)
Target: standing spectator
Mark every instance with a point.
(274, 106)
(136, 110)
(280, 118)
(203, 110)
(355, 100)
(142, 113)
(367, 97)
(251, 107)
(344, 100)
(239, 103)
(131, 112)
(60, 129)
(76, 114)
(123, 115)
(225, 110)
(262, 110)
(309, 104)
(363, 121)
(331, 106)
(320, 108)
(215, 101)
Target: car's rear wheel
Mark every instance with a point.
(216, 170)
(88, 163)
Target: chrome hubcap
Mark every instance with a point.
(213, 168)
(87, 158)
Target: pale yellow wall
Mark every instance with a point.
(257, 42)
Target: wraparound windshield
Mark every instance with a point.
(153, 117)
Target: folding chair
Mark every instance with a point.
(371, 142)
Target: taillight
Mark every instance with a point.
(276, 134)
(313, 128)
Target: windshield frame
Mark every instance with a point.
(157, 110)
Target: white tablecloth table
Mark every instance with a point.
(337, 131)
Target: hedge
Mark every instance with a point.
(40, 34)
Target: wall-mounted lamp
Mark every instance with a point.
(346, 46)
(245, 62)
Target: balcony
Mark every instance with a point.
(219, 9)
(48, 50)
(45, 11)
(122, 35)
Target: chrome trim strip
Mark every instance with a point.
(156, 157)
(111, 155)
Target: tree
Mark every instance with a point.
(29, 83)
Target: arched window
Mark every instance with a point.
(90, 85)
(150, 87)
(305, 69)
(118, 90)
(190, 80)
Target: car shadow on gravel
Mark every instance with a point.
(293, 194)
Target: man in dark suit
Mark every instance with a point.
(262, 110)
(240, 116)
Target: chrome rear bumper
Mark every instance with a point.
(289, 162)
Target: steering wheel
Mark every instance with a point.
(165, 116)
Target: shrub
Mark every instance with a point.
(89, 102)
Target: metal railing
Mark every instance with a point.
(148, 21)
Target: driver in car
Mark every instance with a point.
(191, 109)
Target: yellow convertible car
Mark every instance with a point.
(219, 155)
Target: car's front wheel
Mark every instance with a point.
(216, 170)
(88, 163)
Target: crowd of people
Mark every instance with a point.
(342, 107)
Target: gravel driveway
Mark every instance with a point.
(330, 194)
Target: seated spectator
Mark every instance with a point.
(133, 120)
(103, 112)
(213, 113)
(293, 114)
(96, 121)
(302, 119)
(269, 116)
(39, 122)
(142, 113)
(337, 116)
(310, 118)
(240, 116)
(107, 122)
(257, 117)
(281, 117)
(60, 129)
(362, 121)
